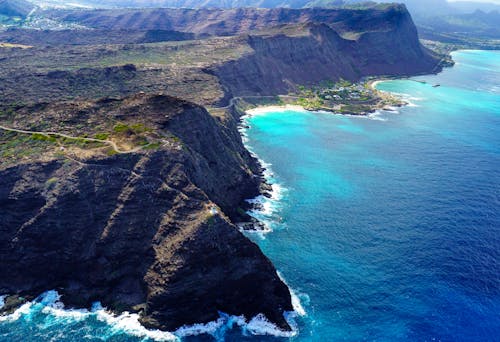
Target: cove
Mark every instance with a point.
(389, 226)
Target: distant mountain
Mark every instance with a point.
(195, 3)
(479, 23)
(433, 17)
(15, 8)
(427, 7)
(471, 6)
(416, 7)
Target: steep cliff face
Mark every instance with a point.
(396, 50)
(290, 48)
(214, 21)
(279, 63)
(136, 230)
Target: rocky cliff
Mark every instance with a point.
(146, 226)
(138, 231)
(214, 21)
(316, 53)
(318, 45)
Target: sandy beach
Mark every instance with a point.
(266, 109)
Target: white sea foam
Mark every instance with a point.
(392, 109)
(265, 208)
(210, 328)
(2, 301)
(298, 308)
(260, 325)
(22, 310)
(49, 303)
(377, 115)
(129, 323)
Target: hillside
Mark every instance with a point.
(123, 171)
(15, 8)
(234, 21)
(350, 44)
(135, 230)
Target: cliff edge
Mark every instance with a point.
(144, 231)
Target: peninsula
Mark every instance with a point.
(122, 170)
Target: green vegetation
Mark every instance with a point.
(344, 97)
(43, 137)
(354, 109)
(153, 146)
(111, 152)
(311, 103)
(15, 146)
(51, 182)
(121, 128)
(131, 129)
(102, 136)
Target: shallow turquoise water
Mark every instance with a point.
(390, 227)
(387, 228)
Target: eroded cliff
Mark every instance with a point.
(138, 231)
(274, 51)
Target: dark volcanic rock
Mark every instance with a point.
(135, 231)
(279, 62)
(216, 21)
(90, 37)
(291, 48)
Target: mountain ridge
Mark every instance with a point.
(152, 230)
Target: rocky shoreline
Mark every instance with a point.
(113, 191)
(149, 232)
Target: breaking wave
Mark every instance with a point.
(47, 312)
(265, 208)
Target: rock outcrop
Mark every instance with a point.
(214, 21)
(138, 231)
(151, 231)
(279, 63)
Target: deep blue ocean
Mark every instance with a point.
(387, 228)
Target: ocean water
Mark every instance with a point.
(386, 228)
(389, 228)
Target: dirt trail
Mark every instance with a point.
(62, 135)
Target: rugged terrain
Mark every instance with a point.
(116, 182)
(307, 47)
(135, 230)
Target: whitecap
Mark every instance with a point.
(129, 323)
(23, 310)
(377, 115)
(49, 303)
(266, 208)
(260, 325)
(298, 308)
(210, 328)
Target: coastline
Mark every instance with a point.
(275, 108)
(50, 304)
(383, 101)
(259, 140)
(261, 208)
